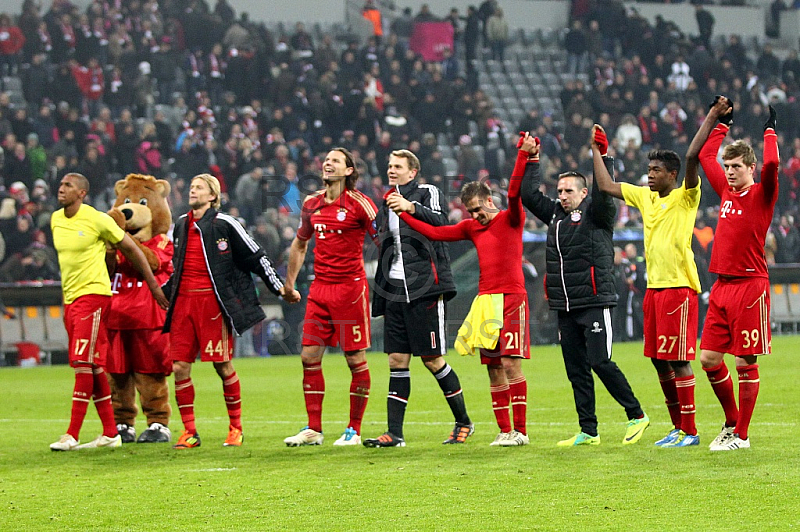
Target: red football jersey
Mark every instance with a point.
(499, 244)
(132, 304)
(745, 215)
(340, 227)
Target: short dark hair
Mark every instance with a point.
(80, 180)
(577, 175)
(671, 160)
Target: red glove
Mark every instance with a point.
(602, 141)
(521, 139)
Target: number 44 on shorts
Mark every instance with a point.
(211, 350)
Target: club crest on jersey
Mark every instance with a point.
(575, 216)
(222, 244)
(342, 214)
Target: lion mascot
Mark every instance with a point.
(139, 356)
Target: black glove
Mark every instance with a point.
(772, 122)
(724, 119)
(727, 119)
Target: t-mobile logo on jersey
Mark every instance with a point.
(727, 208)
(115, 283)
(320, 229)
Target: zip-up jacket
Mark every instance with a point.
(580, 251)
(230, 255)
(426, 264)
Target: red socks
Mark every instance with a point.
(721, 383)
(667, 381)
(748, 393)
(81, 394)
(231, 389)
(518, 390)
(501, 398)
(101, 393)
(359, 394)
(685, 389)
(314, 392)
(184, 396)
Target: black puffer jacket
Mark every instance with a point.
(580, 251)
(426, 263)
(231, 255)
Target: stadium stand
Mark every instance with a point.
(202, 91)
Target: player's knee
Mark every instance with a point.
(709, 359)
(434, 363)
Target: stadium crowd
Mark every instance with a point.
(174, 88)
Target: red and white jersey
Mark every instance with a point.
(132, 304)
(745, 215)
(340, 227)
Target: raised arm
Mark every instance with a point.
(602, 177)
(532, 198)
(769, 170)
(528, 147)
(720, 110)
(708, 153)
(603, 209)
(447, 233)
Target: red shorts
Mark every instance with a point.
(738, 317)
(670, 323)
(199, 325)
(514, 341)
(85, 321)
(338, 314)
(139, 350)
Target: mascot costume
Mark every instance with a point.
(139, 356)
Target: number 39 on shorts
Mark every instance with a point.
(749, 338)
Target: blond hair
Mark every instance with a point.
(741, 149)
(213, 184)
(413, 161)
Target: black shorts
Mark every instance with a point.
(417, 327)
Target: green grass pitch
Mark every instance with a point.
(425, 486)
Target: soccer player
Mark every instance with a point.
(212, 295)
(580, 287)
(337, 312)
(80, 236)
(738, 312)
(670, 301)
(412, 284)
(497, 323)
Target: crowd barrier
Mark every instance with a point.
(35, 332)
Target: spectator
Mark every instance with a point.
(787, 240)
(32, 264)
(576, 45)
(425, 14)
(248, 194)
(497, 34)
(11, 42)
(17, 166)
(705, 24)
(485, 11)
(37, 157)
